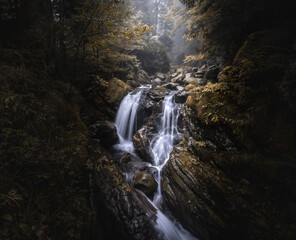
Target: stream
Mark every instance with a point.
(161, 146)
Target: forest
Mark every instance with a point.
(148, 119)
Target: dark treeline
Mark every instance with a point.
(224, 25)
(70, 31)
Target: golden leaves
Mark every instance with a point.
(194, 58)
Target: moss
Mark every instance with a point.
(247, 93)
(116, 91)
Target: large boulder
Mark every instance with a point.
(116, 91)
(171, 86)
(141, 142)
(126, 158)
(181, 96)
(145, 182)
(195, 81)
(161, 76)
(156, 81)
(178, 79)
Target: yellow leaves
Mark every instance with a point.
(136, 32)
(194, 58)
(201, 143)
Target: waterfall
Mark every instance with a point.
(126, 120)
(161, 147)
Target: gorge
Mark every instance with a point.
(147, 119)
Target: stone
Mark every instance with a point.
(135, 166)
(106, 132)
(157, 81)
(157, 94)
(188, 75)
(180, 70)
(181, 97)
(171, 86)
(161, 76)
(195, 81)
(127, 157)
(142, 77)
(141, 143)
(203, 67)
(199, 74)
(130, 213)
(178, 79)
(174, 75)
(194, 69)
(145, 182)
(191, 80)
(180, 88)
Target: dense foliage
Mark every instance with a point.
(50, 55)
(223, 25)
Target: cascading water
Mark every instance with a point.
(126, 119)
(161, 147)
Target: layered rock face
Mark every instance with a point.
(121, 212)
(233, 175)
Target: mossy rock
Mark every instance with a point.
(116, 91)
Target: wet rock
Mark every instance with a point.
(195, 69)
(136, 166)
(127, 157)
(199, 74)
(203, 67)
(116, 91)
(142, 77)
(195, 81)
(145, 109)
(181, 97)
(161, 76)
(178, 79)
(205, 200)
(120, 214)
(174, 75)
(180, 88)
(188, 75)
(171, 86)
(142, 143)
(145, 182)
(152, 171)
(158, 94)
(106, 132)
(192, 80)
(180, 70)
(157, 81)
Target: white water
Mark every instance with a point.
(125, 121)
(161, 147)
